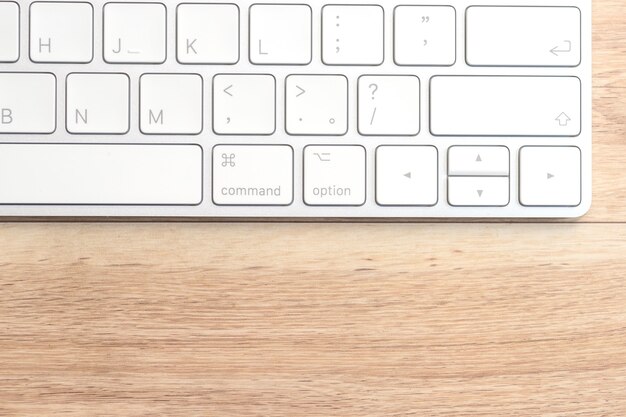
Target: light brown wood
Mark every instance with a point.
(609, 128)
(329, 319)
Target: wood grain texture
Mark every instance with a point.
(329, 319)
(609, 112)
(286, 320)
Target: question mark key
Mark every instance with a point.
(389, 105)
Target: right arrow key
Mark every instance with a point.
(550, 176)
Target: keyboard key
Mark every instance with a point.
(317, 105)
(61, 32)
(505, 106)
(478, 191)
(208, 33)
(353, 35)
(27, 103)
(334, 175)
(244, 104)
(287, 138)
(280, 34)
(258, 175)
(407, 176)
(9, 32)
(135, 33)
(91, 174)
(389, 105)
(550, 176)
(478, 161)
(98, 103)
(500, 36)
(425, 35)
(171, 104)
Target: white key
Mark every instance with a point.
(407, 176)
(334, 175)
(550, 176)
(425, 35)
(134, 33)
(478, 191)
(171, 104)
(100, 174)
(9, 32)
(389, 105)
(505, 106)
(208, 33)
(500, 36)
(98, 103)
(317, 105)
(244, 104)
(353, 35)
(478, 161)
(27, 103)
(253, 175)
(280, 34)
(61, 32)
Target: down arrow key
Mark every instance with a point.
(478, 191)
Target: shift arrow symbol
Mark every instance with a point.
(563, 119)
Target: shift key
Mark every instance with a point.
(505, 106)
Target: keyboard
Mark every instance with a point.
(247, 110)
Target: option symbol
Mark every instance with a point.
(323, 157)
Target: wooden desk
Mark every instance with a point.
(329, 319)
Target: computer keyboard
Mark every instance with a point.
(361, 109)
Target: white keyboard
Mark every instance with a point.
(200, 109)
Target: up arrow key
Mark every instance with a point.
(478, 158)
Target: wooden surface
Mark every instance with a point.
(329, 319)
